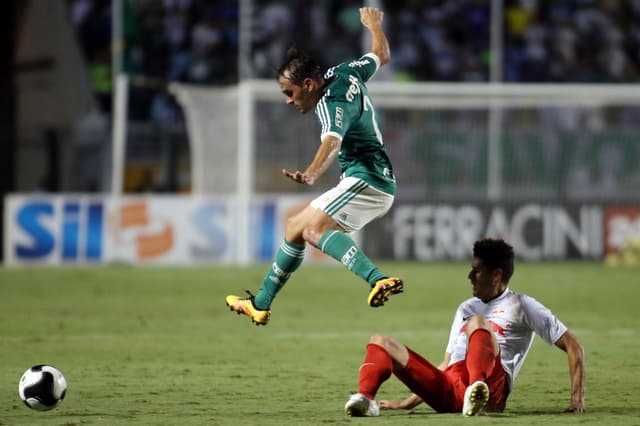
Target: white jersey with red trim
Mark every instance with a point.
(515, 319)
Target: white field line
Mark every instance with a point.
(325, 335)
(424, 333)
(332, 335)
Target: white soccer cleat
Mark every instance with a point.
(475, 398)
(361, 406)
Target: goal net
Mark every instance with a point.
(463, 141)
(463, 144)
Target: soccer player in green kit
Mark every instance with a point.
(350, 133)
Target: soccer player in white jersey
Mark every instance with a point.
(351, 133)
(490, 337)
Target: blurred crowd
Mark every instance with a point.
(543, 41)
(197, 41)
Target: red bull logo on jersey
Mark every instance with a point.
(496, 328)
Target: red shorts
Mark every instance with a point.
(444, 390)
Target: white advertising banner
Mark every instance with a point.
(64, 229)
(42, 229)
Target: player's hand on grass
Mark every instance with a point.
(408, 403)
(299, 177)
(390, 404)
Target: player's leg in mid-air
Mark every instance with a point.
(288, 259)
(345, 208)
(352, 205)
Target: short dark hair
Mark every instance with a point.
(494, 254)
(300, 66)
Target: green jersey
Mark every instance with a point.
(346, 112)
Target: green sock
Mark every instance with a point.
(288, 259)
(343, 249)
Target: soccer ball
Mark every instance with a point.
(42, 387)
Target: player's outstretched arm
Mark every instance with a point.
(575, 354)
(407, 404)
(327, 152)
(371, 18)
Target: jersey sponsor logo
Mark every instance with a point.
(339, 116)
(354, 89)
(360, 63)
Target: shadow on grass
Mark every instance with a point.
(599, 411)
(622, 411)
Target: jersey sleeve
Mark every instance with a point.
(338, 109)
(541, 320)
(366, 66)
(334, 118)
(456, 325)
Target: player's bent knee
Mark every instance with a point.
(311, 236)
(387, 342)
(293, 231)
(398, 352)
(378, 339)
(476, 322)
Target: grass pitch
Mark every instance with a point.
(158, 346)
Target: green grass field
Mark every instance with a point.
(158, 346)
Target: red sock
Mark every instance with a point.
(375, 369)
(480, 357)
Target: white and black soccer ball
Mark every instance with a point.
(42, 387)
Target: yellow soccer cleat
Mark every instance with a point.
(383, 289)
(244, 305)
